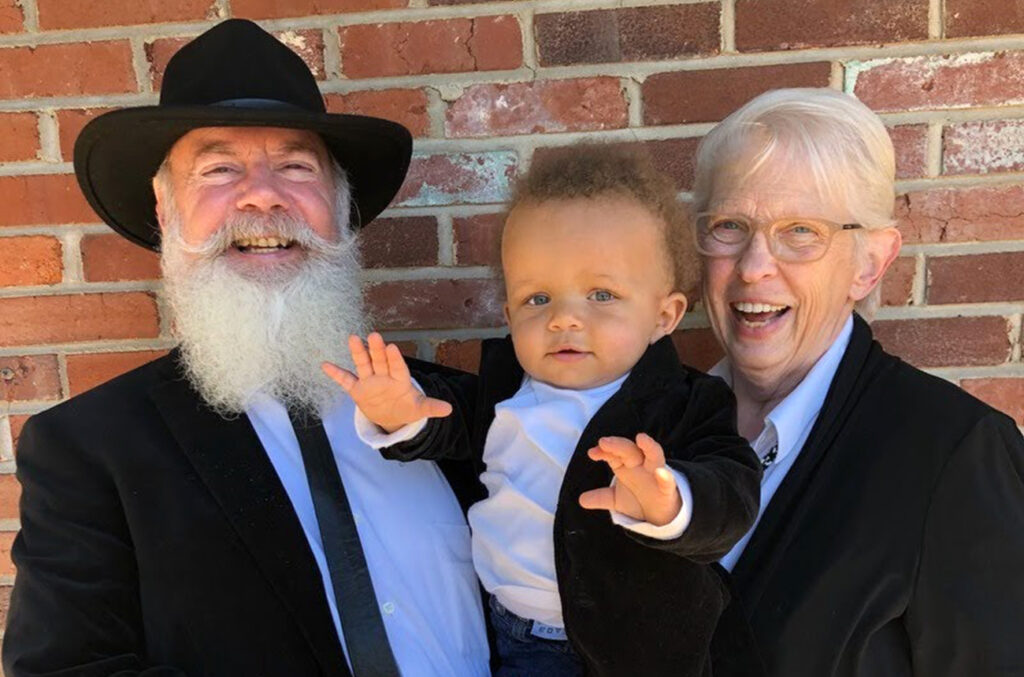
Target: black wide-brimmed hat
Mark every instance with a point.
(233, 75)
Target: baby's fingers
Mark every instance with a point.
(627, 453)
(665, 481)
(654, 455)
(598, 499)
(378, 354)
(396, 364)
(342, 377)
(434, 408)
(360, 358)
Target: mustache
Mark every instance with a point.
(281, 225)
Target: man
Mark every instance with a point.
(180, 519)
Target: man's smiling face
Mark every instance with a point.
(219, 174)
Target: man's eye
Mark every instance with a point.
(602, 295)
(538, 300)
(217, 169)
(298, 166)
(728, 225)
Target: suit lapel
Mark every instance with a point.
(796, 495)
(228, 456)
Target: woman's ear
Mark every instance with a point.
(879, 249)
(673, 307)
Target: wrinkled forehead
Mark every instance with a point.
(242, 141)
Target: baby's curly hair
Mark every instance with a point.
(591, 170)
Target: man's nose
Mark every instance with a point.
(259, 191)
(756, 261)
(565, 316)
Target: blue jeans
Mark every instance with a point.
(521, 654)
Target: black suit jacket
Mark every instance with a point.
(632, 606)
(157, 540)
(895, 545)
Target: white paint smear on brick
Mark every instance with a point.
(982, 147)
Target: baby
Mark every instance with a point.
(614, 474)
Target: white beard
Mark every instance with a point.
(241, 336)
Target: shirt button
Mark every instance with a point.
(388, 608)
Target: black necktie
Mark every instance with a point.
(361, 624)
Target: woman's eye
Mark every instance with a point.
(538, 300)
(602, 295)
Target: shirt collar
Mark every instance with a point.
(791, 417)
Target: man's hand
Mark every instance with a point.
(382, 387)
(644, 488)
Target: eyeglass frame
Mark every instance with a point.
(833, 228)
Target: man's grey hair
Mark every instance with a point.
(837, 138)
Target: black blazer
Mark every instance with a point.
(632, 606)
(158, 540)
(895, 545)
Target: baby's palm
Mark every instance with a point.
(382, 387)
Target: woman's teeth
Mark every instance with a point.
(757, 314)
(745, 307)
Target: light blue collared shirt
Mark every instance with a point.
(413, 534)
(788, 425)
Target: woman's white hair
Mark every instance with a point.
(837, 138)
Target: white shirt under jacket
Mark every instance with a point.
(788, 425)
(527, 449)
(414, 537)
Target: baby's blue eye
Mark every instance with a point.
(538, 300)
(602, 296)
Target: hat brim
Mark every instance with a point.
(117, 154)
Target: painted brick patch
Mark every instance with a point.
(458, 178)
(984, 146)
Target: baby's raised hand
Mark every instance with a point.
(644, 488)
(382, 387)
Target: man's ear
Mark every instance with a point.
(673, 307)
(159, 212)
(879, 249)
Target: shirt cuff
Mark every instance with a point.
(374, 436)
(666, 532)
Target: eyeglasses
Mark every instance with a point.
(793, 239)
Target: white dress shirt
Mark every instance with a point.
(414, 537)
(788, 425)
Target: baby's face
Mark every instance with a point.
(588, 288)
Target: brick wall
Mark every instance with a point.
(483, 85)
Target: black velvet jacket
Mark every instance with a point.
(158, 541)
(632, 606)
(895, 544)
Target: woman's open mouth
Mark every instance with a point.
(755, 315)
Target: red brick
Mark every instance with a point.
(12, 18)
(42, 200)
(537, 107)
(976, 279)
(708, 96)
(89, 370)
(478, 240)
(109, 258)
(17, 423)
(1005, 394)
(793, 24)
(473, 178)
(19, 137)
(459, 2)
(926, 82)
(948, 341)
(983, 146)
(32, 377)
(30, 260)
(405, 106)
(464, 355)
(6, 541)
(73, 69)
(910, 143)
(61, 14)
(79, 317)
(274, 9)
(674, 157)
(309, 44)
(69, 123)
(698, 348)
(399, 242)
(950, 215)
(983, 17)
(898, 283)
(632, 34)
(436, 304)
(10, 493)
(444, 46)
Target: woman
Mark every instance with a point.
(891, 533)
